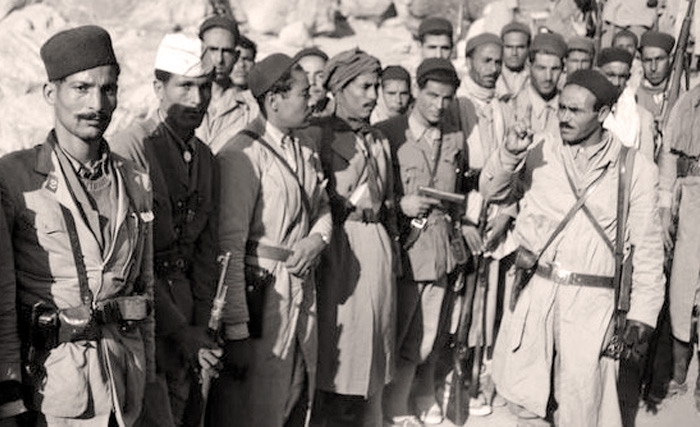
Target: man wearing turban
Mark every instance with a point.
(356, 286)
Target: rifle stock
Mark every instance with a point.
(214, 326)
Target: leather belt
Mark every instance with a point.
(368, 216)
(255, 249)
(565, 277)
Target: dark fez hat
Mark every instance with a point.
(267, 72)
(605, 92)
(75, 50)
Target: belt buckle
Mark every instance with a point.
(559, 275)
(419, 223)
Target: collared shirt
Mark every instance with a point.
(428, 134)
(285, 144)
(227, 115)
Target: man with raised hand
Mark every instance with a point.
(550, 344)
(78, 245)
(185, 187)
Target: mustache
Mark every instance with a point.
(563, 125)
(94, 116)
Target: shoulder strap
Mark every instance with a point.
(569, 215)
(85, 292)
(306, 203)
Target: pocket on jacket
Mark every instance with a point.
(64, 390)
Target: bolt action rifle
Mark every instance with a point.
(679, 68)
(473, 308)
(214, 326)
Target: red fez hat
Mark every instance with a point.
(437, 69)
(551, 43)
(75, 50)
(614, 54)
(435, 25)
(657, 39)
(604, 91)
(480, 40)
(516, 26)
(267, 72)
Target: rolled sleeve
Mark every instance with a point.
(495, 182)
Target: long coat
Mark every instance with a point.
(357, 284)
(82, 378)
(261, 202)
(571, 320)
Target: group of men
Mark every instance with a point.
(352, 203)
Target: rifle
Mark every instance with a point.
(598, 16)
(460, 353)
(678, 67)
(221, 8)
(214, 326)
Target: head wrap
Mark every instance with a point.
(437, 69)
(435, 25)
(218, 21)
(75, 50)
(345, 66)
(480, 40)
(614, 54)
(311, 51)
(551, 43)
(267, 72)
(181, 54)
(516, 26)
(584, 44)
(604, 91)
(396, 72)
(657, 39)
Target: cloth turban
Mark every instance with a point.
(346, 66)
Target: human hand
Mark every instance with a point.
(190, 340)
(636, 339)
(415, 205)
(497, 229)
(519, 138)
(306, 252)
(210, 361)
(473, 239)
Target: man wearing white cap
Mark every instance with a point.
(185, 190)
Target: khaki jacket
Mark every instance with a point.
(82, 378)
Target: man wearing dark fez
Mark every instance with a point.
(549, 346)
(79, 222)
(537, 104)
(515, 75)
(275, 221)
(185, 193)
(230, 110)
(655, 49)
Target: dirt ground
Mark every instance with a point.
(677, 412)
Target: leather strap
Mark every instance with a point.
(306, 203)
(564, 277)
(569, 215)
(624, 187)
(85, 292)
(593, 220)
